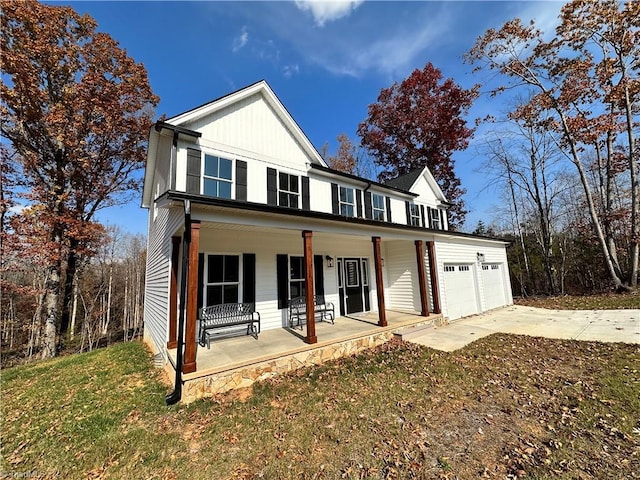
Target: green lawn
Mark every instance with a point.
(502, 406)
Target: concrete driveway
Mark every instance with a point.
(593, 325)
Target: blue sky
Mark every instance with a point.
(326, 61)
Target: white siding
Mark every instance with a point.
(402, 291)
(398, 211)
(251, 125)
(163, 166)
(266, 245)
(426, 194)
(156, 300)
(320, 192)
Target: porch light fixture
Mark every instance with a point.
(480, 257)
(329, 261)
(382, 261)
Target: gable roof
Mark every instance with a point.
(261, 87)
(404, 182)
(407, 181)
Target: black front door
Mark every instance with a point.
(353, 285)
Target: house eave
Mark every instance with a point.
(329, 172)
(176, 198)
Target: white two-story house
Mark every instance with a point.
(266, 218)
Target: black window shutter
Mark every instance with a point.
(194, 162)
(306, 202)
(282, 271)
(408, 209)
(422, 215)
(368, 211)
(272, 186)
(334, 199)
(429, 217)
(200, 279)
(388, 209)
(249, 278)
(359, 202)
(318, 274)
(441, 219)
(241, 180)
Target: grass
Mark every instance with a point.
(503, 407)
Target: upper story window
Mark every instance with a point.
(414, 214)
(377, 206)
(288, 190)
(217, 177)
(435, 218)
(347, 202)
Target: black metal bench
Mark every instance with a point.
(226, 319)
(298, 310)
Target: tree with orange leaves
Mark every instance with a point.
(76, 110)
(584, 89)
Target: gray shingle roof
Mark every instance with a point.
(404, 182)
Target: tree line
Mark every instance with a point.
(105, 305)
(568, 160)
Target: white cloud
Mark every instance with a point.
(289, 70)
(395, 52)
(545, 16)
(326, 11)
(241, 40)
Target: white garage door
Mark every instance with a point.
(493, 282)
(460, 290)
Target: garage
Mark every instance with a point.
(460, 290)
(493, 282)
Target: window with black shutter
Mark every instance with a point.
(194, 164)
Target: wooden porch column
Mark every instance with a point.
(308, 282)
(433, 274)
(189, 365)
(377, 261)
(173, 292)
(422, 280)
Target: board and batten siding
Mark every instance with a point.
(464, 251)
(251, 125)
(156, 298)
(403, 291)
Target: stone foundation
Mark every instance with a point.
(208, 386)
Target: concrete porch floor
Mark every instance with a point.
(233, 353)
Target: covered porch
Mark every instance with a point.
(238, 362)
(265, 259)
